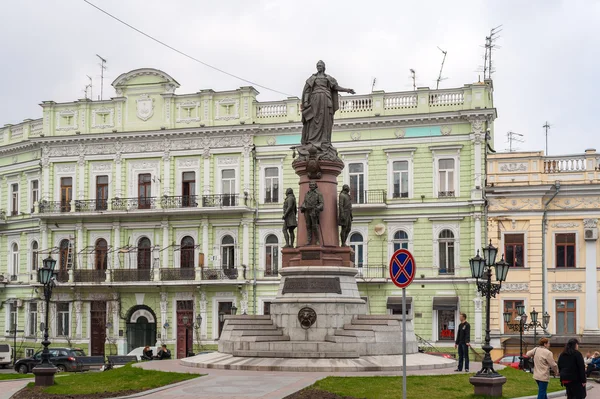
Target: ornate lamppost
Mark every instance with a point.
(233, 310)
(44, 372)
(522, 325)
(487, 381)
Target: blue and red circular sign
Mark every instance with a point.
(402, 268)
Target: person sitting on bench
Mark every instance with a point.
(594, 364)
(163, 353)
(147, 354)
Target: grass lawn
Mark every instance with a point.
(15, 376)
(455, 386)
(126, 378)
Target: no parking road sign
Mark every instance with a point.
(402, 268)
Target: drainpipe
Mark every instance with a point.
(544, 268)
(254, 229)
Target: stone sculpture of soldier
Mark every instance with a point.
(312, 208)
(345, 214)
(289, 218)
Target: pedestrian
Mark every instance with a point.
(163, 353)
(147, 353)
(572, 370)
(543, 362)
(588, 358)
(462, 342)
(594, 364)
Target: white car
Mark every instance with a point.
(139, 352)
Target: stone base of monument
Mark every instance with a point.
(318, 313)
(488, 386)
(317, 256)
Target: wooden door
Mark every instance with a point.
(185, 319)
(66, 193)
(98, 328)
(225, 308)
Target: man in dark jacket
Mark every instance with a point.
(572, 370)
(463, 341)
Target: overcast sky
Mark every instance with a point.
(545, 69)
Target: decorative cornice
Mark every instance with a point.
(567, 287)
(515, 287)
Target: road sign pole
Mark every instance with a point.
(403, 343)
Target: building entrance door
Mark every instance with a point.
(225, 308)
(98, 328)
(141, 328)
(185, 314)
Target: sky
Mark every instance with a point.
(546, 59)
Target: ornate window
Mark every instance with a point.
(446, 251)
(66, 193)
(14, 258)
(101, 193)
(271, 255)
(400, 240)
(35, 193)
(32, 319)
(446, 177)
(14, 208)
(400, 179)
(34, 255)
(64, 261)
(356, 173)
(511, 307)
(357, 244)
(565, 250)
(187, 252)
(62, 319)
(101, 254)
(144, 190)
(566, 316)
(188, 189)
(514, 249)
(227, 252)
(271, 185)
(143, 254)
(228, 187)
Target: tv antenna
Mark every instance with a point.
(546, 127)
(89, 86)
(373, 84)
(439, 79)
(413, 75)
(512, 136)
(102, 68)
(490, 45)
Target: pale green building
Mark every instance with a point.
(162, 207)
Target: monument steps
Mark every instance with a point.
(378, 317)
(247, 322)
(253, 327)
(355, 333)
(247, 333)
(264, 338)
(293, 355)
(248, 317)
(375, 322)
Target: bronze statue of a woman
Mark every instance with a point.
(319, 103)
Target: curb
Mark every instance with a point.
(557, 394)
(151, 391)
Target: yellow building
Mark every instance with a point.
(543, 216)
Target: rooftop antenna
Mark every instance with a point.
(439, 79)
(102, 68)
(512, 136)
(546, 127)
(489, 47)
(373, 85)
(413, 75)
(91, 97)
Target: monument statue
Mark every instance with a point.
(345, 214)
(319, 103)
(312, 207)
(289, 218)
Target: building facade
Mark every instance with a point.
(162, 207)
(543, 215)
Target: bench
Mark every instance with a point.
(119, 360)
(85, 363)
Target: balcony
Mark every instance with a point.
(127, 204)
(445, 194)
(367, 272)
(220, 274)
(176, 202)
(62, 276)
(369, 197)
(131, 275)
(91, 205)
(89, 276)
(176, 274)
(55, 206)
(220, 200)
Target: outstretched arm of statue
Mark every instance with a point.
(343, 89)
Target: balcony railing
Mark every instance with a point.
(89, 276)
(220, 200)
(220, 274)
(183, 201)
(270, 272)
(372, 271)
(131, 275)
(564, 164)
(55, 206)
(445, 194)
(369, 197)
(174, 274)
(127, 204)
(91, 205)
(62, 276)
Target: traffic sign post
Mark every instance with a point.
(402, 273)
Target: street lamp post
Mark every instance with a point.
(487, 381)
(522, 325)
(44, 372)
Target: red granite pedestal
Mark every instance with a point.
(329, 253)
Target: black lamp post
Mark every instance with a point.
(487, 381)
(44, 372)
(522, 325)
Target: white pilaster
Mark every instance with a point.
(46, 174)
(81, 177)
(79, 243)
(163, 316)
(478, 302)
(116, 244)
(205, 241)
(591, 285)
(78, 318)
(206, 169)
(246, 170)
(167, 174)
(245, 243)
(477, 217)
(118, 185)
(44, 230)
(165, 244)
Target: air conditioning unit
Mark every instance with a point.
(590, 234)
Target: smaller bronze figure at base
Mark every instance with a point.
(312, 208)
(289, 218)
(345, 214)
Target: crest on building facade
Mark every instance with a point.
(145, 107)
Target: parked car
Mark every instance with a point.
(510, 360)
(5, 355)
(62, 358)
(139, 351)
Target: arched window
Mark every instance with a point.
(356, 243)
(100, 254)
(143, 254)
(271, 255)
(400, 240)
(34, 256)
(14, 249)
(187, 252)
(446, 248)
(64, 255)
(227, 252)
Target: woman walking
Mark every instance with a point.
(572, 370)
(543, 362)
